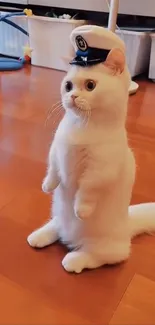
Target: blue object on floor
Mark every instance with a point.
(8, 64)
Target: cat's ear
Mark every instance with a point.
(66, 60)
(115, 61)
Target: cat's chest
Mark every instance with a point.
(72, 151)
(72, 159)
(75, 152)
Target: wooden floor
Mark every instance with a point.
(34, 289)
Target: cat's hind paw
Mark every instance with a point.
(73, 263)
(78, 261)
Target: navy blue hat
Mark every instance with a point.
(92, 44)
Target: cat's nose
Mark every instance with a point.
(74, 97)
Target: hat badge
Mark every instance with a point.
(81, 43)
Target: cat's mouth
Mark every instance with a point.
(80, 105)
(77, 105)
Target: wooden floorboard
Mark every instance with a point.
(137, 305)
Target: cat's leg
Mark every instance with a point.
(44, 236)
(91, 184)
(52, 179)
(85, 203)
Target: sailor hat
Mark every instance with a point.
(92, 44)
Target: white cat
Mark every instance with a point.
(92, 170)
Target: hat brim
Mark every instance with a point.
(90, 57)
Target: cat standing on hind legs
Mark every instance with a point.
(91, 168)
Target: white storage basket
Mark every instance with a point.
(49, 40)
(12, 40)
(152, 58)
(138, 47)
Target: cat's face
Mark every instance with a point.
(93, 89)
(80, 89)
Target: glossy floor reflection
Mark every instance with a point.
(34, 289)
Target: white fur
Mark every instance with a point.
(92, 171)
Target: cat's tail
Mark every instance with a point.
(142, 218)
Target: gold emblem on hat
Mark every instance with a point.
(81, 43)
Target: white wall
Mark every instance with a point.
(137, 7)
(98, 5)
(22, 2)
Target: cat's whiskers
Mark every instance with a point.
(56, 109)
(85, 111)
(50, 115)
(89, 115)
(82, 109)
(51, 108)
(85, 118)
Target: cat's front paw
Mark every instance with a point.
(47, 186)
(83, 211)
(39, 239)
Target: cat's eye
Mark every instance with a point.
(68, 86)
(90, 85)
